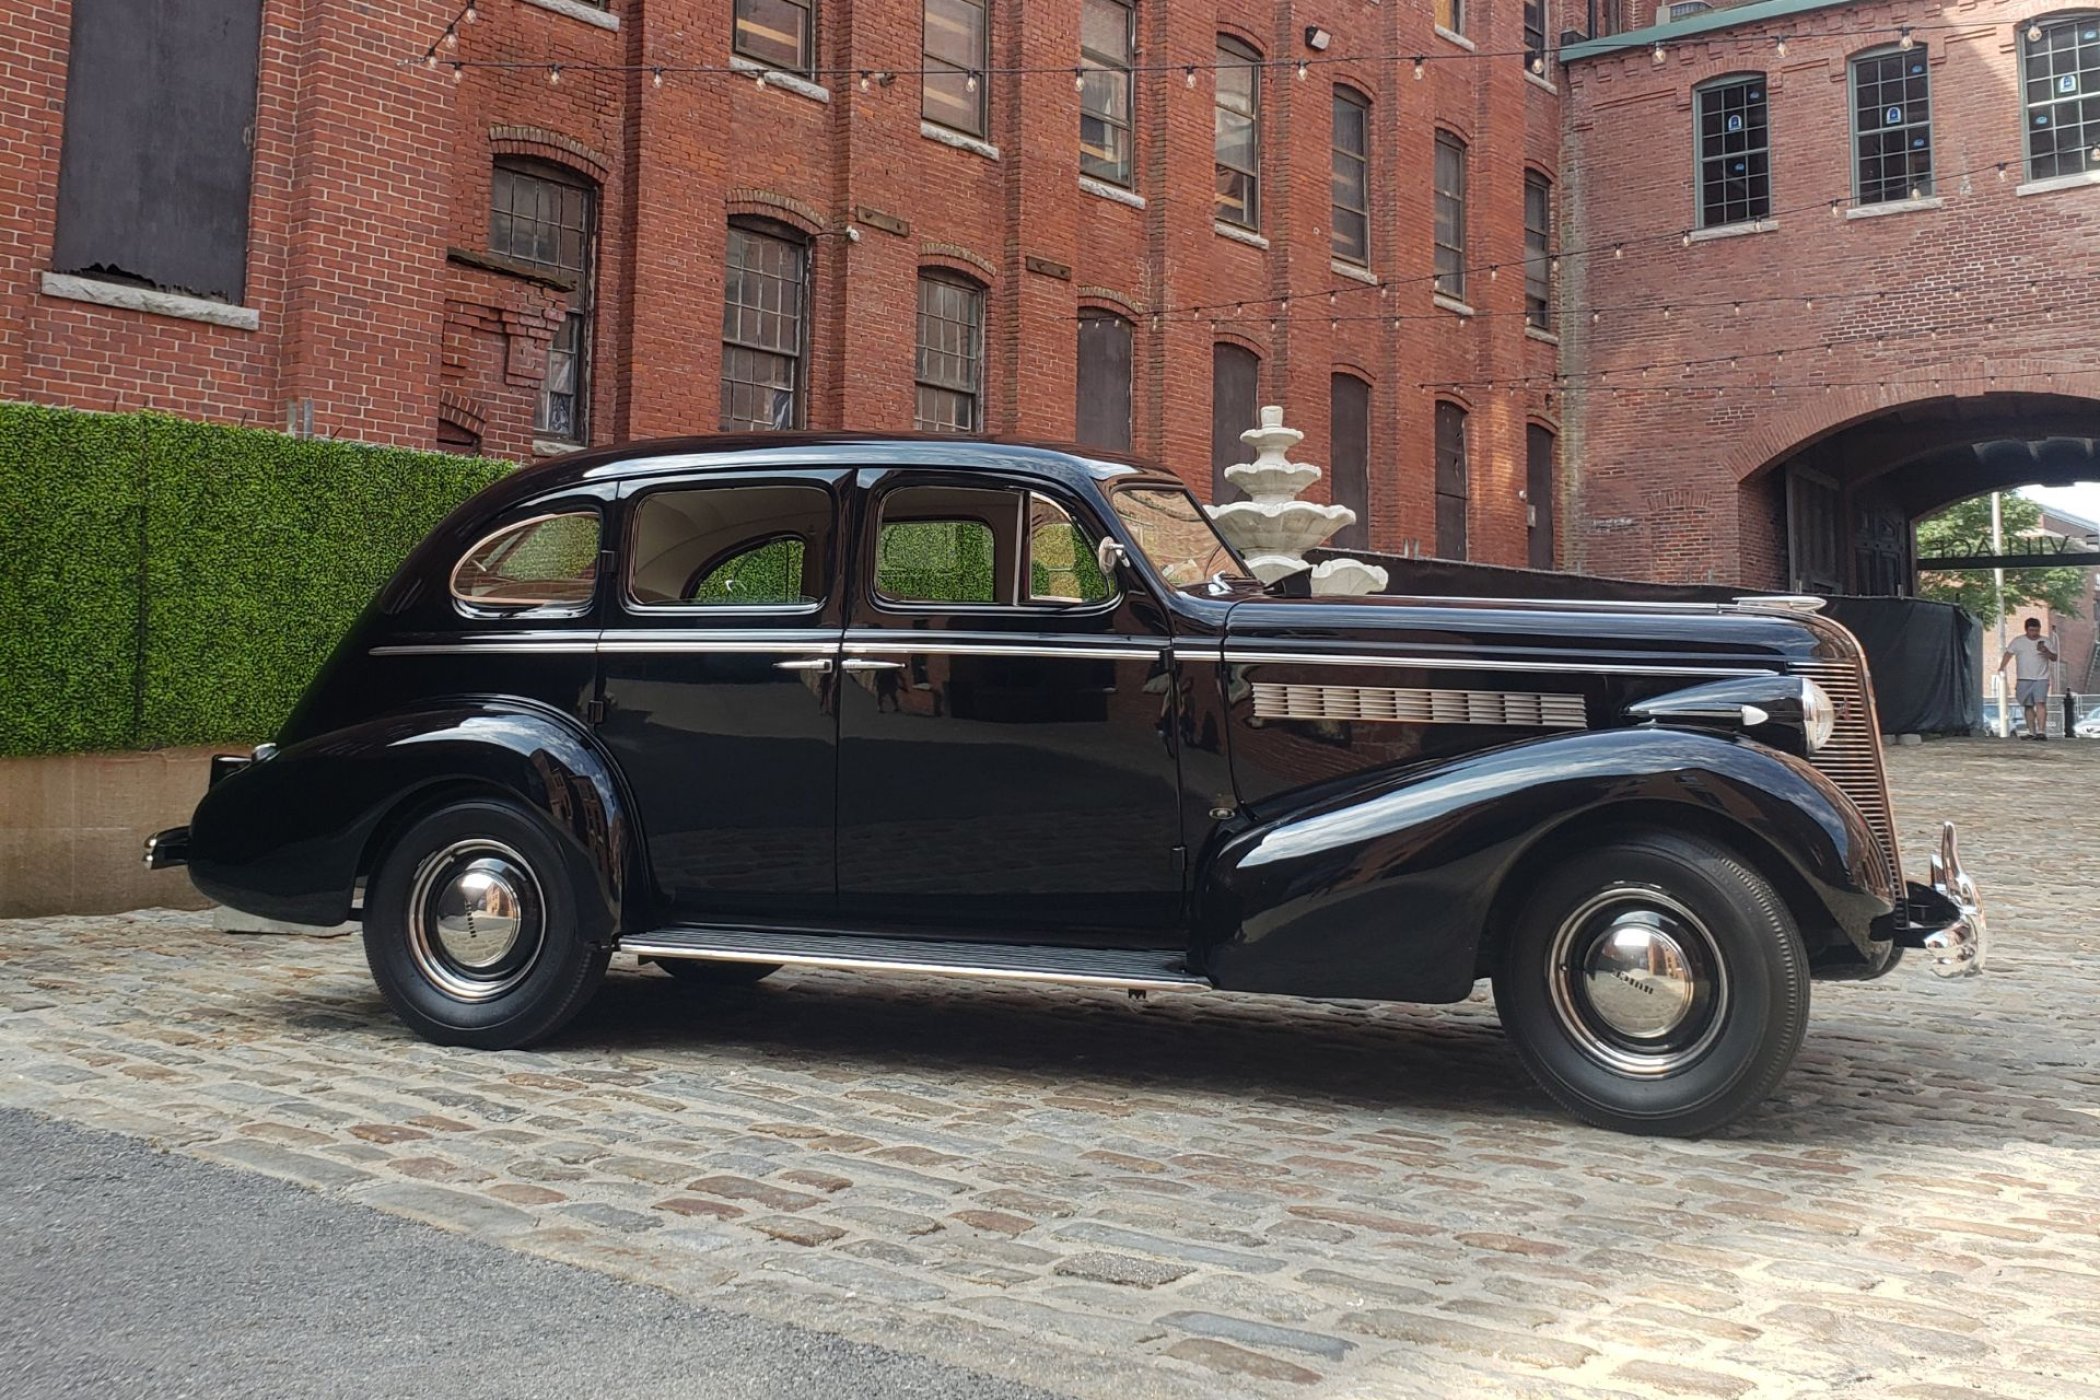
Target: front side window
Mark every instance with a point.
(1451, 481)
(744, 545)
(1107, 36)
(1351, 223)
(1735, 171)
(775, 32)
(2061, 68)
(951, 354)
(1101, 417)
(1238, 134)
(549, 561)
(763, 292)
(1891, 126)
(546, 218)
(1538, 251)
(952, 90)
(1450, 215)
(1175, 536)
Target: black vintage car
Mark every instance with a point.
(968, 707)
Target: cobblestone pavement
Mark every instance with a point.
(1209, 1194)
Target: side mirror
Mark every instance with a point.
(1108, 554)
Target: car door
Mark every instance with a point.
(717, 665)
(1007, 765)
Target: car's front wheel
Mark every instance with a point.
(1655, 985)
(473, 930)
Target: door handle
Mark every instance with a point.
(814, 663)
(863, 663)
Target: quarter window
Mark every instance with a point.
(951, 354)
(1451, 481)
(762, 329)
(1450, 215)
(1352, 176)
(1538, 250)
(2062, 74)
(1735, 172)
(1891, 126)
(1107, 32)
(1237, 134)
(1102, 414)
(952, 90)
(745, 545)
(548, 561)
(546, 218)
(775, 32)
(1062, 567)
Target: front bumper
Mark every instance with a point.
(1946, 918)
(167, 849)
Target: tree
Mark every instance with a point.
(1965, 528)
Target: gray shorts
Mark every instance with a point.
(2032, 692)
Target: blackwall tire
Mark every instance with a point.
(1657, 985)
(474, 932)
(704, 973)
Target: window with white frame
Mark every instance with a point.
(2061, 69)
(951, 354)
(1107, 40)
(1735, 152)
(1891, 126)
(953, 87)
(764, 291)
(1238, 134)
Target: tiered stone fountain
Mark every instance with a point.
(1273, 528)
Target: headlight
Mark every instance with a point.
(1819, 715)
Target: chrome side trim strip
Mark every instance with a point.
(452, 648)
(698, 647)
(643, 947)
(1462, 663)
(935, 647)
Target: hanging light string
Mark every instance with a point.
(1738, 392)
(448, 38)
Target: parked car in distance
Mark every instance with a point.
(983, 709)
(1989, 720)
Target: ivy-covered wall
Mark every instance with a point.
(167, 582)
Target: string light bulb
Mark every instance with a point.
(1904, 41)
(1418, 70)
(1188, 75)
(1302, 65)
(760, 77)
(1782, 48)
(430, 60)
(970, 83)
(459, 71)
(656, 78)
(1079, 80)
(1659, 54)
(451, 38)
(2034, 34)
(864, 80)
(1687, 238)
(554, 74)
(1538, 64)
(472, 15)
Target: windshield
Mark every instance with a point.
(1175, 535)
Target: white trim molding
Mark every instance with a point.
(934, 131)
(1540, 334)
(577, 10)
(1352, 271)
(2059, 182)
(128, 298)
(1238, 234)
(775, 78)
(1709, 235)
(1452, 305)
(1116, 194)
(1452, 36)
(1892, 206)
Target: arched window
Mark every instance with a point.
(1451, 480)
(546, 218)
(1351, 219)
(2060, 63)
(1102, 416)
(1349, 453)
(1450, 215)
(951, 353)
(1238, 134)
(1735, 151)
(1235, 384)
(764, 292)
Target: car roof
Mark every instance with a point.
(1071, 465)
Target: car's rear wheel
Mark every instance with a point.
(713, 972)
(1655, 985)
(474, 932)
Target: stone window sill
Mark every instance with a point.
(1115, 194)
(2059, 182)
(153, 303)
(933, 131)
(575, 9)
(1238, 234)
(553, 447)
(1353, 271)
(1536, 81)
(1893, 206)
(1543, 336)
(1709, 235)
(786, 82)
(1453, 305)
(1452, 36)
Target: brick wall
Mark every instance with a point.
(367, 171)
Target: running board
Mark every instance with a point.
(1140, 969)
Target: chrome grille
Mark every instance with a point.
(1400, 705)
(1852, 758)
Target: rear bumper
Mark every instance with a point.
(1946, 917)
(167, 849)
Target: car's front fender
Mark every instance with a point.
(1384, 890)
(286, 837)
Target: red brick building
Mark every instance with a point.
(1826, 267)
(864, 213)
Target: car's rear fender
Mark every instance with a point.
(1386, 890)
(289, 836)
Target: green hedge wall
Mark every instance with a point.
(168, 582)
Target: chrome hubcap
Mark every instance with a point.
(1638, 982)
(475, 919)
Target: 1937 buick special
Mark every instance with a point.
(939, 705)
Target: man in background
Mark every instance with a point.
(2031, 659)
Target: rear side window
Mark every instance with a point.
(549, 561)
(731, 546)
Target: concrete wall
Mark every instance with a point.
(71, 828)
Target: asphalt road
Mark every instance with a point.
(125, 1272)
